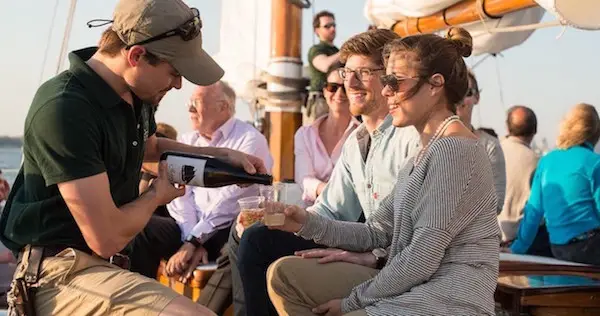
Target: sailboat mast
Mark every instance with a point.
(461, 13)
(65, 42)
(283, 108)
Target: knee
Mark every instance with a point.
(278, 274)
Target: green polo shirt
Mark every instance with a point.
(77, 127)
(317, 78)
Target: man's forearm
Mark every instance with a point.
(134, 216)
(165, 144)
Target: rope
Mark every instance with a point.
(501, 92)
(65, 41)
(49, 37)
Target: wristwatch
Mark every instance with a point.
(380, 256)
(193, 240)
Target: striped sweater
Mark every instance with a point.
(439, 226)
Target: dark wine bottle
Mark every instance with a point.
(207, 171)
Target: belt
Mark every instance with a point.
(118, 259)
(585, 236)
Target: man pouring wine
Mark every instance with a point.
(74, 205)
(200, 220)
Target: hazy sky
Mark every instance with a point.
(547, 74)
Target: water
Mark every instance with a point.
(10, 161)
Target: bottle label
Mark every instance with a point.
(185, 170)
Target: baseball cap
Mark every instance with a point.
(170, 30)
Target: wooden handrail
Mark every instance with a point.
(461, 13)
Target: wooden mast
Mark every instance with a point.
(283, 108)
(463, 12)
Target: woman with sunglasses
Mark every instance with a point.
(318, 146)
(464, 110)
(436, 234)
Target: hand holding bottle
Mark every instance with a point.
(163, 189)
(295, 216)
(251, 164)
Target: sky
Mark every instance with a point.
(549, 75)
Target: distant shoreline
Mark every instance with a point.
(7, 141)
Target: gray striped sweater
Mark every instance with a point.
(439, 226)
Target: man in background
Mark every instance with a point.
(320, 57)
(521, 162)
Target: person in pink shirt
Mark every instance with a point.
(318, 146)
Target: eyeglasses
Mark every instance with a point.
(333, 87)
(329, 25)
(472, 92)
(393, 81)
(187, 31)
(362, 74)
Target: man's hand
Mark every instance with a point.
(239, 228)
(164, 190)
(251, 164)
(4, 189)
(331, 308)
(200, 255)
(366, 259)
(179, 262)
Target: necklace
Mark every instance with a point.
(438, 133)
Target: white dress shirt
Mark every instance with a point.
(203, 211)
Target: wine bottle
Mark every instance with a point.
(207, 171)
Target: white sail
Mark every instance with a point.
(584, 14)
(245, 42)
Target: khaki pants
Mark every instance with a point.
(75, 283)
(297, 285)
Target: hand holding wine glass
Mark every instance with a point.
(295, 216)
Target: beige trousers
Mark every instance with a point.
(75, 283)
(297, 285)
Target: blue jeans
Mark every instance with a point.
(583, 251)
(259, 247)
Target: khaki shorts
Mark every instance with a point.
(75, 283)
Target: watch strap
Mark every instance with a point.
(194, 241)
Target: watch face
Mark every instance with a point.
(379, 253)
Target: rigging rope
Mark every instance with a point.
(501, 92)
(49, 37)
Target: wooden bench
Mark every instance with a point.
(193, 287)
(545, 286)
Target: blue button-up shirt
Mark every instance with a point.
(359, 185)
(566, 193)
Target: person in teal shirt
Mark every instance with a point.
(565, 192)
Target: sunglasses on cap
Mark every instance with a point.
(333, 87)
(393, 81)
(187, 31)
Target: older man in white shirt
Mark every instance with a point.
(203, 216)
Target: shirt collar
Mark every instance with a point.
(386, 124)
(227, 127)
(100, 89)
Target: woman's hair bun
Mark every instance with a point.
(461, 39)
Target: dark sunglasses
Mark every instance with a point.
(472, 92)
(333, 87)
(393, 82)
(187, 31)
(329, 25)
